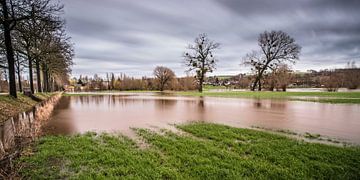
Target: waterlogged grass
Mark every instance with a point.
(10, 106)
(323, 97)
(207, 151)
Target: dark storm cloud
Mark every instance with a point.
(134, 36)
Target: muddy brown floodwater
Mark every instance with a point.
(110, 113)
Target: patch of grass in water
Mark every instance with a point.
(312, 136)
(284, 131)
(211, 151)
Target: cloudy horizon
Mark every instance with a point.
(133, 37)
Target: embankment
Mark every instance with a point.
(25, 117)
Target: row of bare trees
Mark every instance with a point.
(34, 38)
(164, 79)
(348, 77)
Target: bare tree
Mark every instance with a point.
(8, 21)
(17, 11)
(19, 67)
(276, 47)
(200, 57)
(163, 76)
(282, 76)
(331, 81)
(352, 75)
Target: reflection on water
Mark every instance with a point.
(24, 127)
(120, 112)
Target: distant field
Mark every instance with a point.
(206, 151)
(325, 97)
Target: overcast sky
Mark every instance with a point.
(134, 36)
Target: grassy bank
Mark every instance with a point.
(325, 97)
(208, 151)
(10, 106)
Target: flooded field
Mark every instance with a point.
(110, 113)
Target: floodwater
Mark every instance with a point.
(111, 113)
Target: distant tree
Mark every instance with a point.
(277, 47)
(282, 75)
(200, 57)
(112, 81)
(331, 81)
(352, 75)
(163, 76)
(187, 83)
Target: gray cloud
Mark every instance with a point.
(134, 36)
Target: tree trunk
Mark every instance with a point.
(255, 83)
(19, 78)
(46, 80)
(201, 81)
(258, 80)
(161, 86)
(31, 76)
(9, 49)
(53, 84)
(259, 89)
(38, 78)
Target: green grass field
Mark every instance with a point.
(207, 151)
(324, 97)
(10, 106)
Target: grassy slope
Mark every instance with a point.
(10, 107)
(326, 97)
(209, 152)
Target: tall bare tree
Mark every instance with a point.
(200, 57)
(19, 67)
(275, 47)
(163, 76)
(40, 40)
(8, 21)
(17, 11)
(56, 59)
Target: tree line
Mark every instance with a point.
(269, 64)
(34, 39)
(270, 67)
(164, 79)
